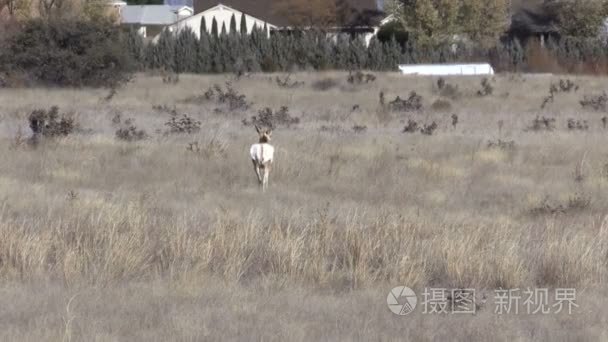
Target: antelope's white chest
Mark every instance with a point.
(262, 153)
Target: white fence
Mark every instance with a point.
(446, 69)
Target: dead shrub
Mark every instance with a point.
(185, 124)
(412, 103)
(360, 78)
(563, 86)
(272, 119)
(411, 127)
(165, 109)
(454, 120)
(447, 90)
(129, 132)
(50, 123)
(578, 125)
(429, 129)
(542, 124)
(505, 145)
(595, 102)
(228, 97)
(486, 88)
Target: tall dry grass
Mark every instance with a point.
(149, 240)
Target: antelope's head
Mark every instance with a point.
(265, 134)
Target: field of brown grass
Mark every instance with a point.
(111, 240)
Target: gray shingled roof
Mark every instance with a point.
(150, 14)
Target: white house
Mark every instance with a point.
(222, 15)
(150, 20)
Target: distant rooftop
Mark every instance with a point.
(151, 14)
(188, 3)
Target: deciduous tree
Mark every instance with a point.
(578, 18)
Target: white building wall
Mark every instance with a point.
(446, 69)
(222, 15)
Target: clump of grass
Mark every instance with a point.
(287, 83)
(576, 203)
(169, 77)
(441, 105)
(359, 128)
(325, 84)
(214, 147)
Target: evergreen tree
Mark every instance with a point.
(393, 54)
(341, 54)
(203, 29)
(217, 64)
(135, 46)
(186, 51)
(243, 24)
(165, 51)
(204, 57)
(374, 55)
(223, 30)
(233, 24)
(214, 31)
(358, 53)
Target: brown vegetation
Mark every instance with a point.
(169, 238)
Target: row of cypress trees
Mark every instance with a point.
(233, 50)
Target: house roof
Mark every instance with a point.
(357, 12)
(151, 14)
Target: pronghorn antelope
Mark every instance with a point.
(262, 155)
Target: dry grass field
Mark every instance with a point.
(152, 240)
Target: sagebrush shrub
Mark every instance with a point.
(185, 124)
(129, 132)
(595, 102)
(272, 119)
(50, 123)
(412, 103)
